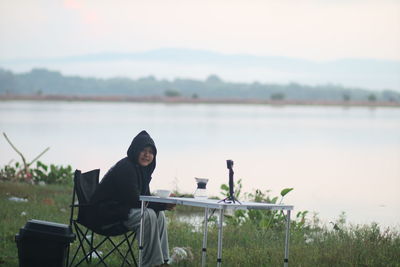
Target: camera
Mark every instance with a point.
(229, 164)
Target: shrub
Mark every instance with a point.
(53, 174)
(41, 174)
(261, 218)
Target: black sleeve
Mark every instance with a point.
(128, 185)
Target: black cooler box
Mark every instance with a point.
(42, 243)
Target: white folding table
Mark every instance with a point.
(220, 205)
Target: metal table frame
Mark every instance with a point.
(221, 206)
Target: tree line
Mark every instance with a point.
(42, 82)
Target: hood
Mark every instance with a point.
(140, 141)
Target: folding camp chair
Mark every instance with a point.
(118, 240)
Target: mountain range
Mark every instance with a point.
(172, 63)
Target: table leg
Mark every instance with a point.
(221, 218)
(286, 259)
(204, 250)
(141, 232)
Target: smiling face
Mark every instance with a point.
(146, 156)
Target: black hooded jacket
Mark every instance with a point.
(120, 188)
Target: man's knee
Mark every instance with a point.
(151, 215)
(161, 216)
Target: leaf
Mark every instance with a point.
(285, 191)
(224, 187)
(39, 164)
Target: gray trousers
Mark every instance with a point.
(155, 241)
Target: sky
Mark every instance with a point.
(308, 29)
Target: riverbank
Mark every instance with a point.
(183, 100)
(245, 245)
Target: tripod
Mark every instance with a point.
(231, 198)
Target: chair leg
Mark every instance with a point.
(127, 251)
(130, 251)
(91, 245)
(87, 255)
(82, 238)
(84, 241)
(115, 248)
(94, 250)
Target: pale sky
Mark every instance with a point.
(309, 29)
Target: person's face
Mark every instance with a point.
(146, 156)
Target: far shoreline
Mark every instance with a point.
(183, 100)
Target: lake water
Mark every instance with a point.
(336, 159)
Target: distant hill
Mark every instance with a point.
(42, 82)
(173, 63)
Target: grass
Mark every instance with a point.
(247, 245)
(48, 203)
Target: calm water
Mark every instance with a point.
(337, 159)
